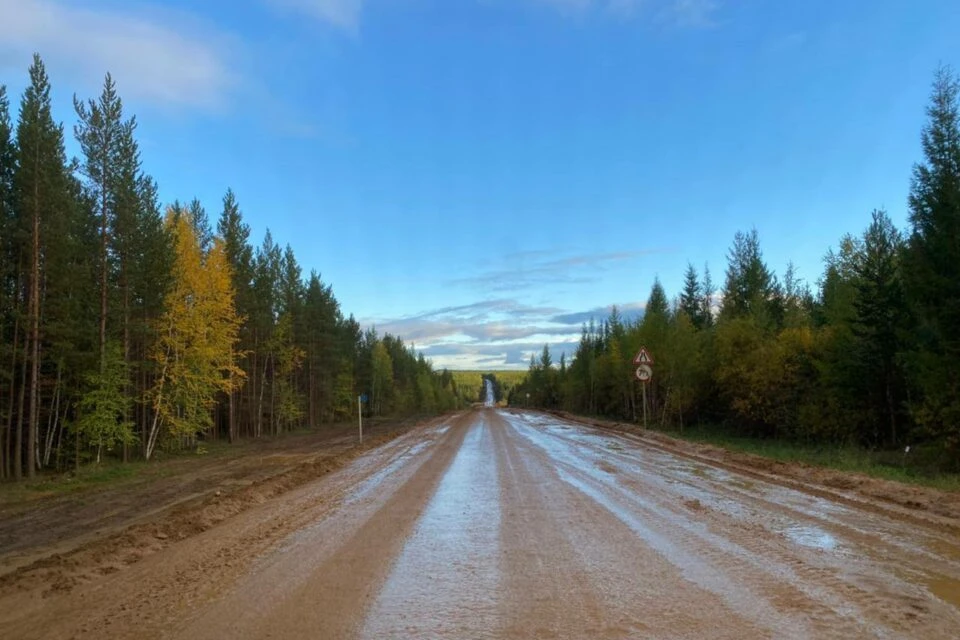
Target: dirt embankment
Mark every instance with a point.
(924, 503)
(55, 544)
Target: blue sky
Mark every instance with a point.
(479, 176)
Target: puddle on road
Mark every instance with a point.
(603, 465)
(700, 472)
(947, 589)
(375, 481)
(445, 581)
(810, 536)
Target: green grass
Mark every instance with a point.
(922, 466)
(89, 477)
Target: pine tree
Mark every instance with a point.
(236, 237)
(880, 324)
(932, 262)
(99, 133)
(690, 302)
(706, 298)
(750, 286)
(8, 282)
(381, 384)
(43, 201)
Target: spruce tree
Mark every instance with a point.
(690, 302)
(880, 325)
(750, 286)
(932, 261)
(706, 298)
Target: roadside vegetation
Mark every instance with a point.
(470, 383)
(847, 373)
(129, 328)
(920, 466)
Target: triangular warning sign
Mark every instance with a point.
(643, 357)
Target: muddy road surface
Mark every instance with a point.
(497, 524)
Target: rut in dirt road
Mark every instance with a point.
(501, 524)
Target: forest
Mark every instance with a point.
(869, 357)
(128, 327)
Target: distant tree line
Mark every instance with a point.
(127, 327)
(871, 356)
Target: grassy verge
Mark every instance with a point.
(88, 477)
(113, 473)
(920, 466)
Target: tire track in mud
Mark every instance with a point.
(804, 514)
(148, 598)
(446, 582)
(516, 525)
(574, 571)
(838, 591)
(338, 586)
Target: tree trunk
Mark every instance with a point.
(8, 453)
(54, 418)
(892, 412)
(154, 429)
(18, 445)
(126, 357)
(103, 270)
(231, 418)
(311, 405)
(35, 352)
(263, 382)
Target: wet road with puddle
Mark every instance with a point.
(520, 525)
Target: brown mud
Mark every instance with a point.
(503, 524)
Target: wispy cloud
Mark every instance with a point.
(537, 268)
(496, 333)
(514, 356)
(484, 321)
(343, 14)
(158, 57)
(629, 312)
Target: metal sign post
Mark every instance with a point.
(643, 385)
(360, 416)
(644, 374)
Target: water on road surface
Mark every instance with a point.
(520, 525)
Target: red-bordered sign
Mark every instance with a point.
(644, 373)
(643, 357)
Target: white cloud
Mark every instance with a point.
(533, 269)
(495, 334)
(158, 59)
(344, 14)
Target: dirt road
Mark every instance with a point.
(519, 525)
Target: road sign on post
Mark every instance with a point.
(643, 357)
(644, 373)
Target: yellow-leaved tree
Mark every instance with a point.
(195, 350)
